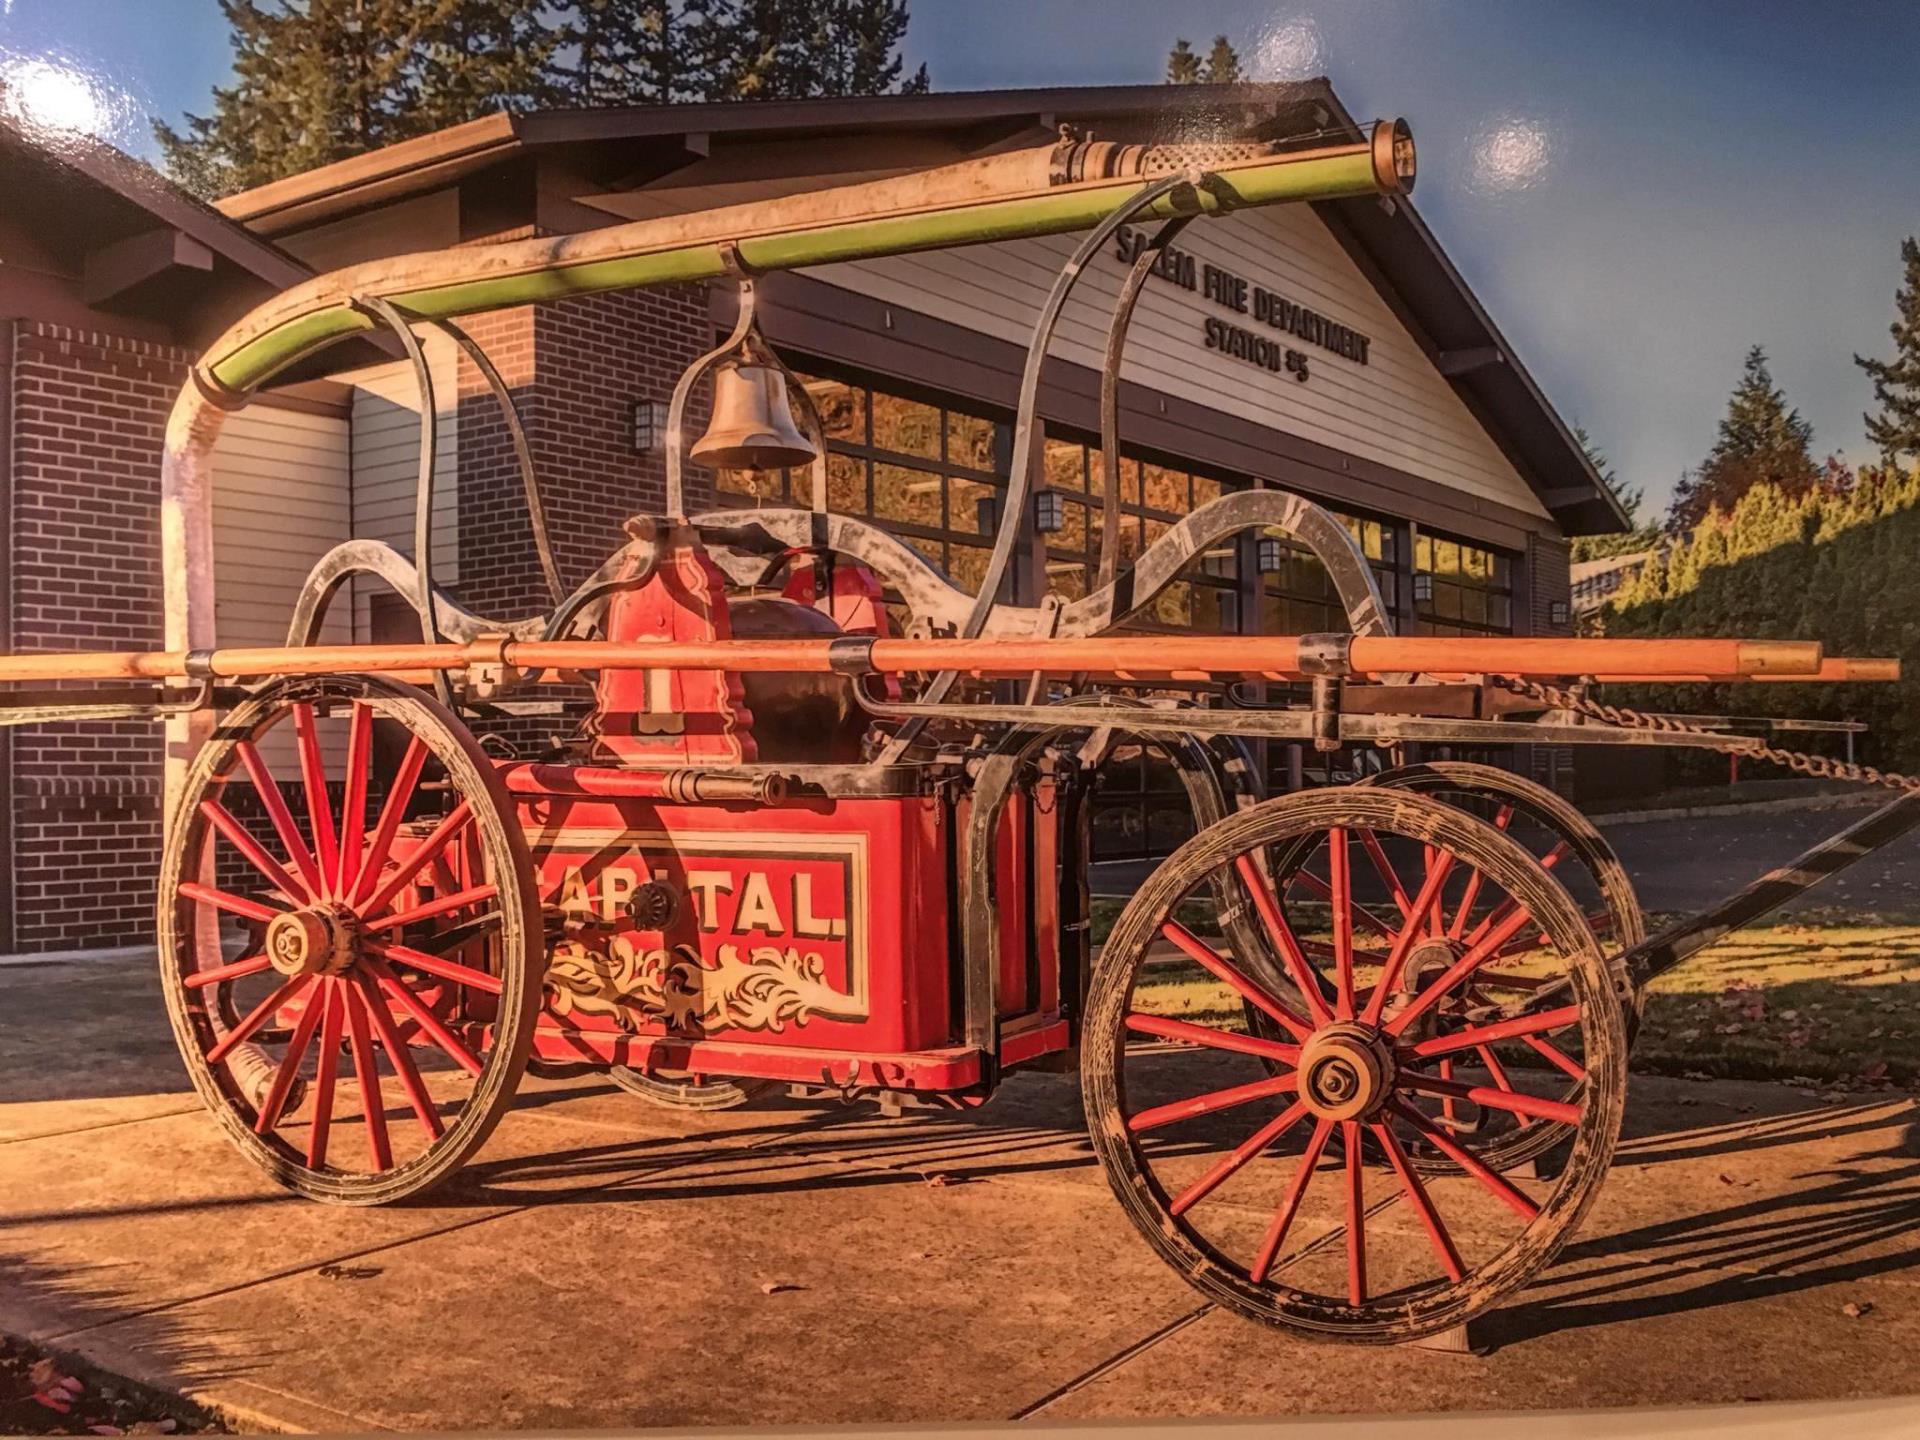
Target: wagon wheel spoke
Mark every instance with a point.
(443, 834)
(281, 818)
(289, 1068)
(391, 814)
(1280, 935)
(424, 1017)
(1356, 1217)
(252, 851)
(433, 965)
(234, 970)
(1212, 1100)
(1423, 1206)
(1231, 1163)
(366, 1069)
(1221, 969)
(320, 1127)
(313, 779)
(232, 904)
(251, 1022)
(1208, 1037)
(399, 1057)
(434, 909)
(1290, 1203)
(353, 808)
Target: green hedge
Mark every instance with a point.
(1841, 566)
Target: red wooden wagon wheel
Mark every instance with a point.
(1568, 843)
(1262, 1168)
(370, 1026)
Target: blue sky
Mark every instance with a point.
(1638, 191)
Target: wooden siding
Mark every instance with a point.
(386, 462)
(1397, 409)
(281, 500)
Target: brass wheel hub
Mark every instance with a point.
(318, 941)
(1346, 1072)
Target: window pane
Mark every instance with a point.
(912, 496)
(906, 426)
(1072, 534)
(846, 485)
(1067, 578)
(842, 407)
(1205, 490)
(1066, 465)
(969, 441)
(1174, 605)
(971, 506)
(1164, 489)
(1129, 481)
(967, 566)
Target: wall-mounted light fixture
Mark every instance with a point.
(1270, 555)
(1558, 612)
(649, 426)
(1422, 588)
(1049, 512)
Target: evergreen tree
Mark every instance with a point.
(799, 49)
(1223, 63)
(1896, 382)
(1183, 66)
(319, 80)
(1760, 439)
(472, 57)
(1631, 498)
(312, 83)
(1221, 67)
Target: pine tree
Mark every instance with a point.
(799, 49)
(312, 84)
(1183, 66)
(472, 57)
(1896, 382)
(1223, 63)
(1760, 439)
(1221, 67)
(1639, 537)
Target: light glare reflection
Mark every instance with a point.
(55, 97)
(1510, 153)
(1291, 50)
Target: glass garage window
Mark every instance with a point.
(1461, 588)
(925, 470)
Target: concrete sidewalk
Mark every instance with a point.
(604, 1264)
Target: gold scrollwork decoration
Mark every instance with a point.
(766, 989)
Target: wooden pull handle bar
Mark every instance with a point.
(1121, 657)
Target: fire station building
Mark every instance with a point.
(1331, 350)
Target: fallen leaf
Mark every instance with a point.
(52, 1400)
(41, 1374)
(1875, 1071)
(1854, 1309)
(348, 1272)
(154, 1427)
(105, 1430)
(774, 1287)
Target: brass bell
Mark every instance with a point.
(752, 426)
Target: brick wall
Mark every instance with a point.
(89, 417)
(576, 368)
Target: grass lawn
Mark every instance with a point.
(1830, 998)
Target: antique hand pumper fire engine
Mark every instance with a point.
(784, 843)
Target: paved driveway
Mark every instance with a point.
(605, 1264)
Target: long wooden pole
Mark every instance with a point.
(1182, 657)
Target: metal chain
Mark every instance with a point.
(1819, 766)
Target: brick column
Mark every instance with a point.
(89, 416)
(576, 368)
